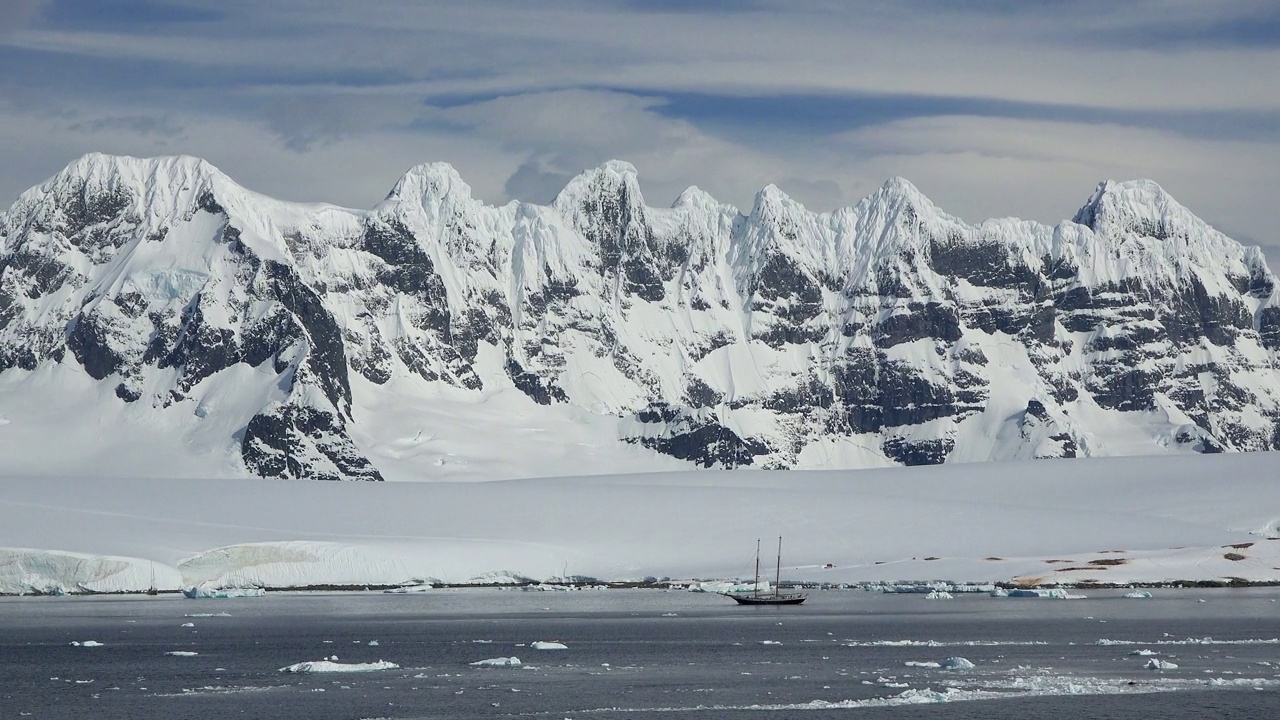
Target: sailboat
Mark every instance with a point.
(777, 597)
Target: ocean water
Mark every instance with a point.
(642, 653)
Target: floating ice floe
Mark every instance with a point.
(1144, 652)
(926, 588)
(543, 645)
(328, 666)
(1048, 593)
(957, 663)
(1158, 664)
(1138, 594)
(202, 592)
(86, 643)
(182, 653)
(919, 664)
(373, 643)
(939, 595)
(499, 662)
(188, 624)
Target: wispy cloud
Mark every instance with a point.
(991, 108)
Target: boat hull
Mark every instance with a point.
(769, 599)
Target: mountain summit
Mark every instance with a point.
(230, 333)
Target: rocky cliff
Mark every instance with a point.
(889, 332)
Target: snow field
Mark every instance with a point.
(1107, 520)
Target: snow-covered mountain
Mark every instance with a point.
(291, 340)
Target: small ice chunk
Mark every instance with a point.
(373, 643)
(214, 592)
(939, 595)
(188, 624)
(770, 642)
(1158, 664)
(1138, 594)
(326, 666)
(499, 662)
(1144, 652)
(86, 643)
(957, 663)
(919, 664)
(182, 653)
(544, 645)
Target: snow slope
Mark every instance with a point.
(1107, 520)
(218, 332)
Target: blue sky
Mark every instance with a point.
(991, 108)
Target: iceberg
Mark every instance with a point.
(328, 666)
(542, 645)
(498, 662)
(1050, 593)
(209, 592)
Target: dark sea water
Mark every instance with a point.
(640, 654)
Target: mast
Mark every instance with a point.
(778, 578)
(757, 589)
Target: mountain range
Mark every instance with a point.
(314, 341)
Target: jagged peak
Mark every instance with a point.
(424, 182)
(695, 197)
(151, 172)
(1138, 206)
(898, 191)
(613, 176)
(898, 185)
(771, 202)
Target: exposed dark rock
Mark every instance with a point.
(303, 442)
(702, 441)
(90, 342)
(981, 263)
(327, 357)
(932, 320)
(1269, 327)
(924, 452)
(701, 395)
(540, 390)
(199, 350)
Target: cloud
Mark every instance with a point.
(15, 14)
(983, 167)
(563, 132)
(999, 108)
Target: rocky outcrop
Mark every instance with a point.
(888, 332)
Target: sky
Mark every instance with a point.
(1000, 108)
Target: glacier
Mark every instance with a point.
(1046, 523)
(220, 333)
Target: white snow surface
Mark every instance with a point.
(499, 662)
(548, 645)
(171, 252)
(1113, 520)
(328, 666)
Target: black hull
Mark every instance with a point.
(769, 599)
